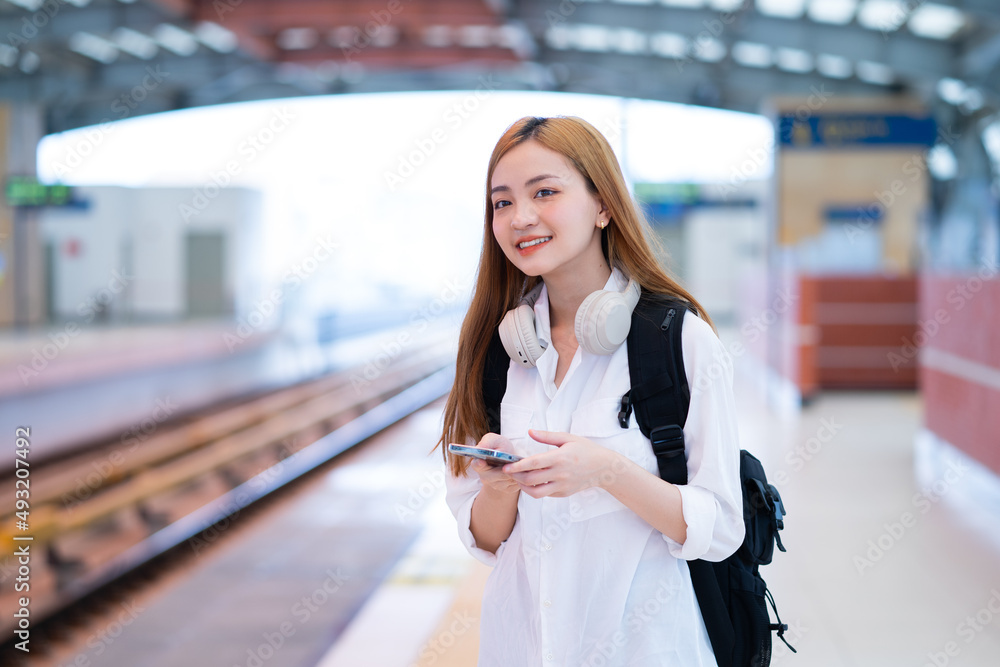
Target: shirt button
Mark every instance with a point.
(547, 547)
(547, 603)
(549, 657)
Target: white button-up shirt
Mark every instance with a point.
(583, 580)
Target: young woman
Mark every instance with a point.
(588, 545)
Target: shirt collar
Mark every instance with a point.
(616, 282)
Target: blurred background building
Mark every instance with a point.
(237, 238)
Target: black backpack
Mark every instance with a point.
(731, 594)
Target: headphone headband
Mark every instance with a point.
(602, 323)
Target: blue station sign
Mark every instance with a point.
(855, 131)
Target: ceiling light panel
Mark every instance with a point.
(837, 12)
(297, 39)
(794, 60)
(876, 73)
(726, 5)
(627, 40)
(175, 40)
(592, 38)
(30, 62)
(686, 4)
(936, 21)
(93, 47)
(215, 37)
(475, 36)
(752, 54)
(786, 9)
(439, 35)
(8, 55)
(951, 90)
(135, 43)
(708, 49)
(669, 45)
(835, 67)
(882, 15)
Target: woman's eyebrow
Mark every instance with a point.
(533, 179)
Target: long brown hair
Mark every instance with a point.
(627, 242)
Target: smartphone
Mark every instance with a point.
(492, 456)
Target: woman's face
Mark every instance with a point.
(544, 217)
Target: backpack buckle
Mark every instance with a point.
(667, 440)
(626, 409)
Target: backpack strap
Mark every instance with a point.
(659, 394)
(495, 380)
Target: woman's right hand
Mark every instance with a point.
(493, 477)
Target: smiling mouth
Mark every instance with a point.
(528, 244)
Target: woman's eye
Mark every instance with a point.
(500, 203)
(545, 192)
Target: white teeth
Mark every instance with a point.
(528, 244)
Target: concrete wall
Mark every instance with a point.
(126, 251)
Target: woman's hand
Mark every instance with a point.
(493, 477)
(577, 464)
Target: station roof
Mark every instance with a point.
(89, 61)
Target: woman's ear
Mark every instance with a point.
(603, 215)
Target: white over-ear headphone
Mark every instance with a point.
(602, 323)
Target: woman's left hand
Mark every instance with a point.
(577, 464)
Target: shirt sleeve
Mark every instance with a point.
(460, 493)
(712, 500)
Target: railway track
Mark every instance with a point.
(98, 517)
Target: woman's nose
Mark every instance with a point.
(524, 216)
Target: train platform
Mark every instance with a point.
(362, 566)
(882, 567)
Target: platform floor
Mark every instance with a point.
(362, 567)
(858, 586)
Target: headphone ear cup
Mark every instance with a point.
(603, 322)
(583, 326)
(517, 333)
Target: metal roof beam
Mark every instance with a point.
(909, 56)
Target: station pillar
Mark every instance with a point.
(22, 273)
